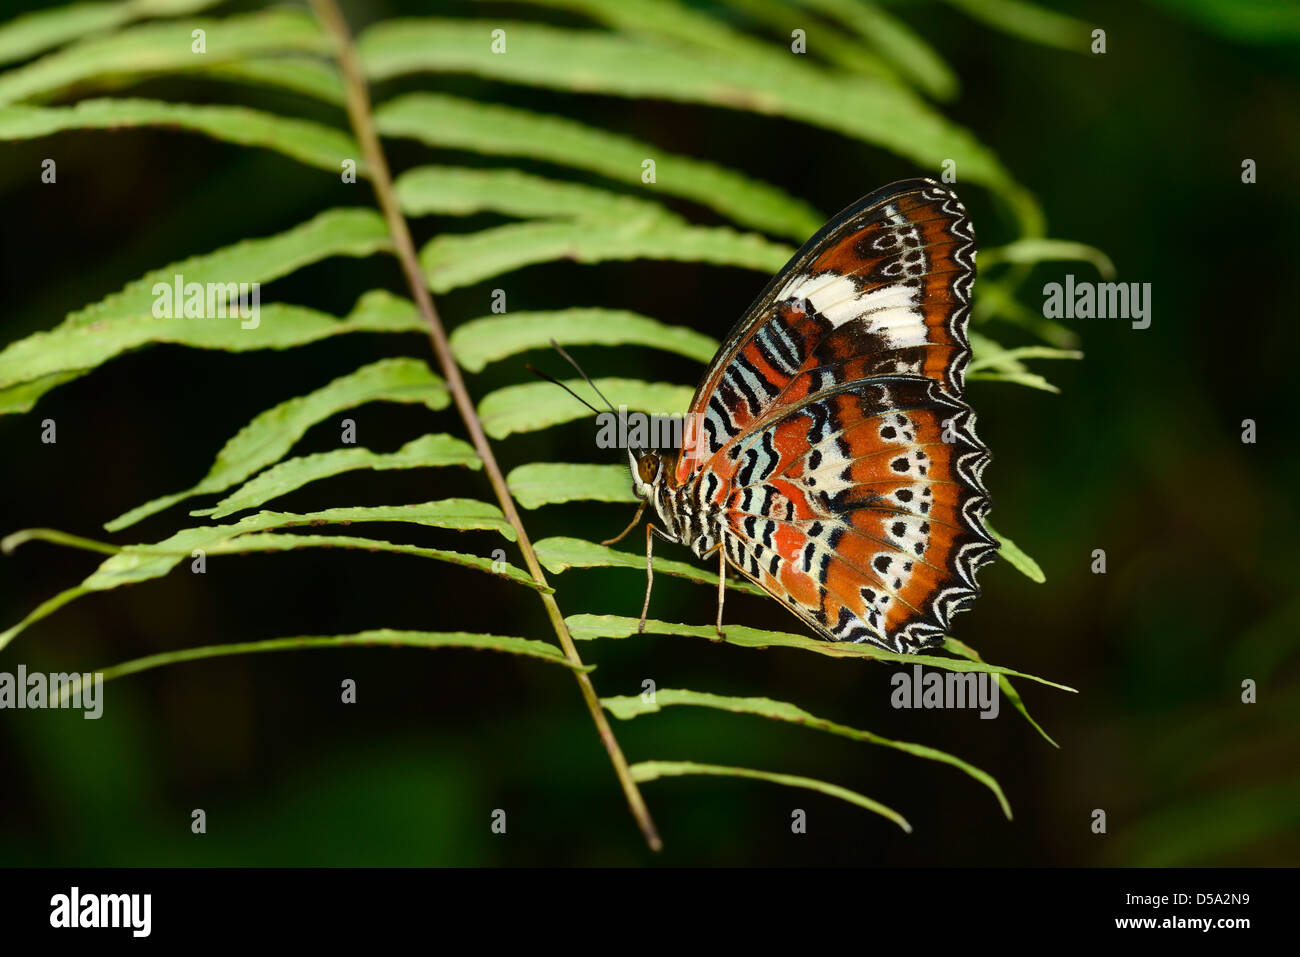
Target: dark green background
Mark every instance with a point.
(1138, 152)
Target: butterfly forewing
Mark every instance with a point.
(835, 449)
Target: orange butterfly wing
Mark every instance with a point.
(832, 436)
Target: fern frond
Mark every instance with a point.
(653, 770)
(531, 406)
(462, 192)
(879, 113)
(1035, 249)
(452, 123)
(1029, 21)
(165, 47)
(355, 232)
(304, 140)
(37, 32)
(75, 350)
(270, 435)
(452, 261)
(428, 451)
(633, 706)
(375, 638)
(618, 626)
(132, 564)
(478, 342)
(561, 553)
(903, 48)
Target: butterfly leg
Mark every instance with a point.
(651, 530)
(722, 587)
(623, 534)
(649, 571)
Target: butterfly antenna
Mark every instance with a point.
(585, 378)
(550, 378)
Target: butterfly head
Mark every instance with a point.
(647, 465)
(647, 472)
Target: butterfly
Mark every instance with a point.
(829, 454)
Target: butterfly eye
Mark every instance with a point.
(647, 467)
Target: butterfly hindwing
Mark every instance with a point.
(855, 511)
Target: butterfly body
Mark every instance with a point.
(830, 456)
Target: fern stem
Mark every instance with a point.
(359, 113)
(13, 540)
